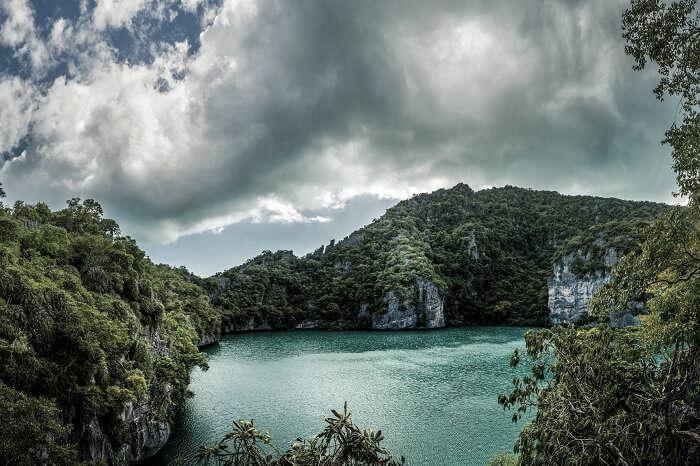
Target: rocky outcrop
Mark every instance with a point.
(425, 310)
(570, 291)
(146, 436)
(354, 239)
(209, 339)
(251, 325)
(145, 428)
(308, 325)
(472, 247)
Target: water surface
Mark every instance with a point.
(433, 393)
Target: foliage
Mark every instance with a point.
(87, 325)
(489, 252)
(608, 395)
(603, 398)
(341, 443)
(39, 436)
(241, 446)
(589, 247)
(668, 34)
(503, 459)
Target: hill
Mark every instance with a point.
(451, 257)
(96, 342)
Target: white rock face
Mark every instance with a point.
(570, 294)
(426, 312)
(472, 247)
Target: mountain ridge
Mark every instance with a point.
(473, 246)
(73, 288)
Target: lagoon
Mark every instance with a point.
(433, 393)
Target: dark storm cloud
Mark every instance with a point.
(291, 108)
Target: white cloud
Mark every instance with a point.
(286, 111)
(16, 107)
(116, 13)
(18, 31)
(61, 35)
(191, 5)
(19, 25)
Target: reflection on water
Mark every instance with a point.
(432, 393)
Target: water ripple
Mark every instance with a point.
(432, 393)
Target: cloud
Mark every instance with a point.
(61, 32)
(286, 110)
(16, 107)
(192, 5)
(18, 32)
(116, 13)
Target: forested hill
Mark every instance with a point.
(451, 257)
(96, 342)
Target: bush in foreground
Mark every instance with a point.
(340, 443)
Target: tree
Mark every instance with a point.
(88, 324)
(38, 437)
(341, 443)
(669, 35)
(607, 395)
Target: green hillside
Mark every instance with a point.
(96, 342)
(489, 252)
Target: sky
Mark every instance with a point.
(214, 129)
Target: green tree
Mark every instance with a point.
(668, 34)
(341, 443)
(607, 395)
(39, 436)
(89, 330)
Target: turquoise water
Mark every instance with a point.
(433, 393)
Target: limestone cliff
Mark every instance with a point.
(426, 310)
(145, 423)
(570, 290)
(145, 435)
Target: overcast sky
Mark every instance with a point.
(213, 130)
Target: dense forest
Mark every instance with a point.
(489, 252)
(96, 342)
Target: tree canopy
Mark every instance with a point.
(88, 327)
(490, 253)
(631, 396)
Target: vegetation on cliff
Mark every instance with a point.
(591, 245)
(489, 252)
(88, 325)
